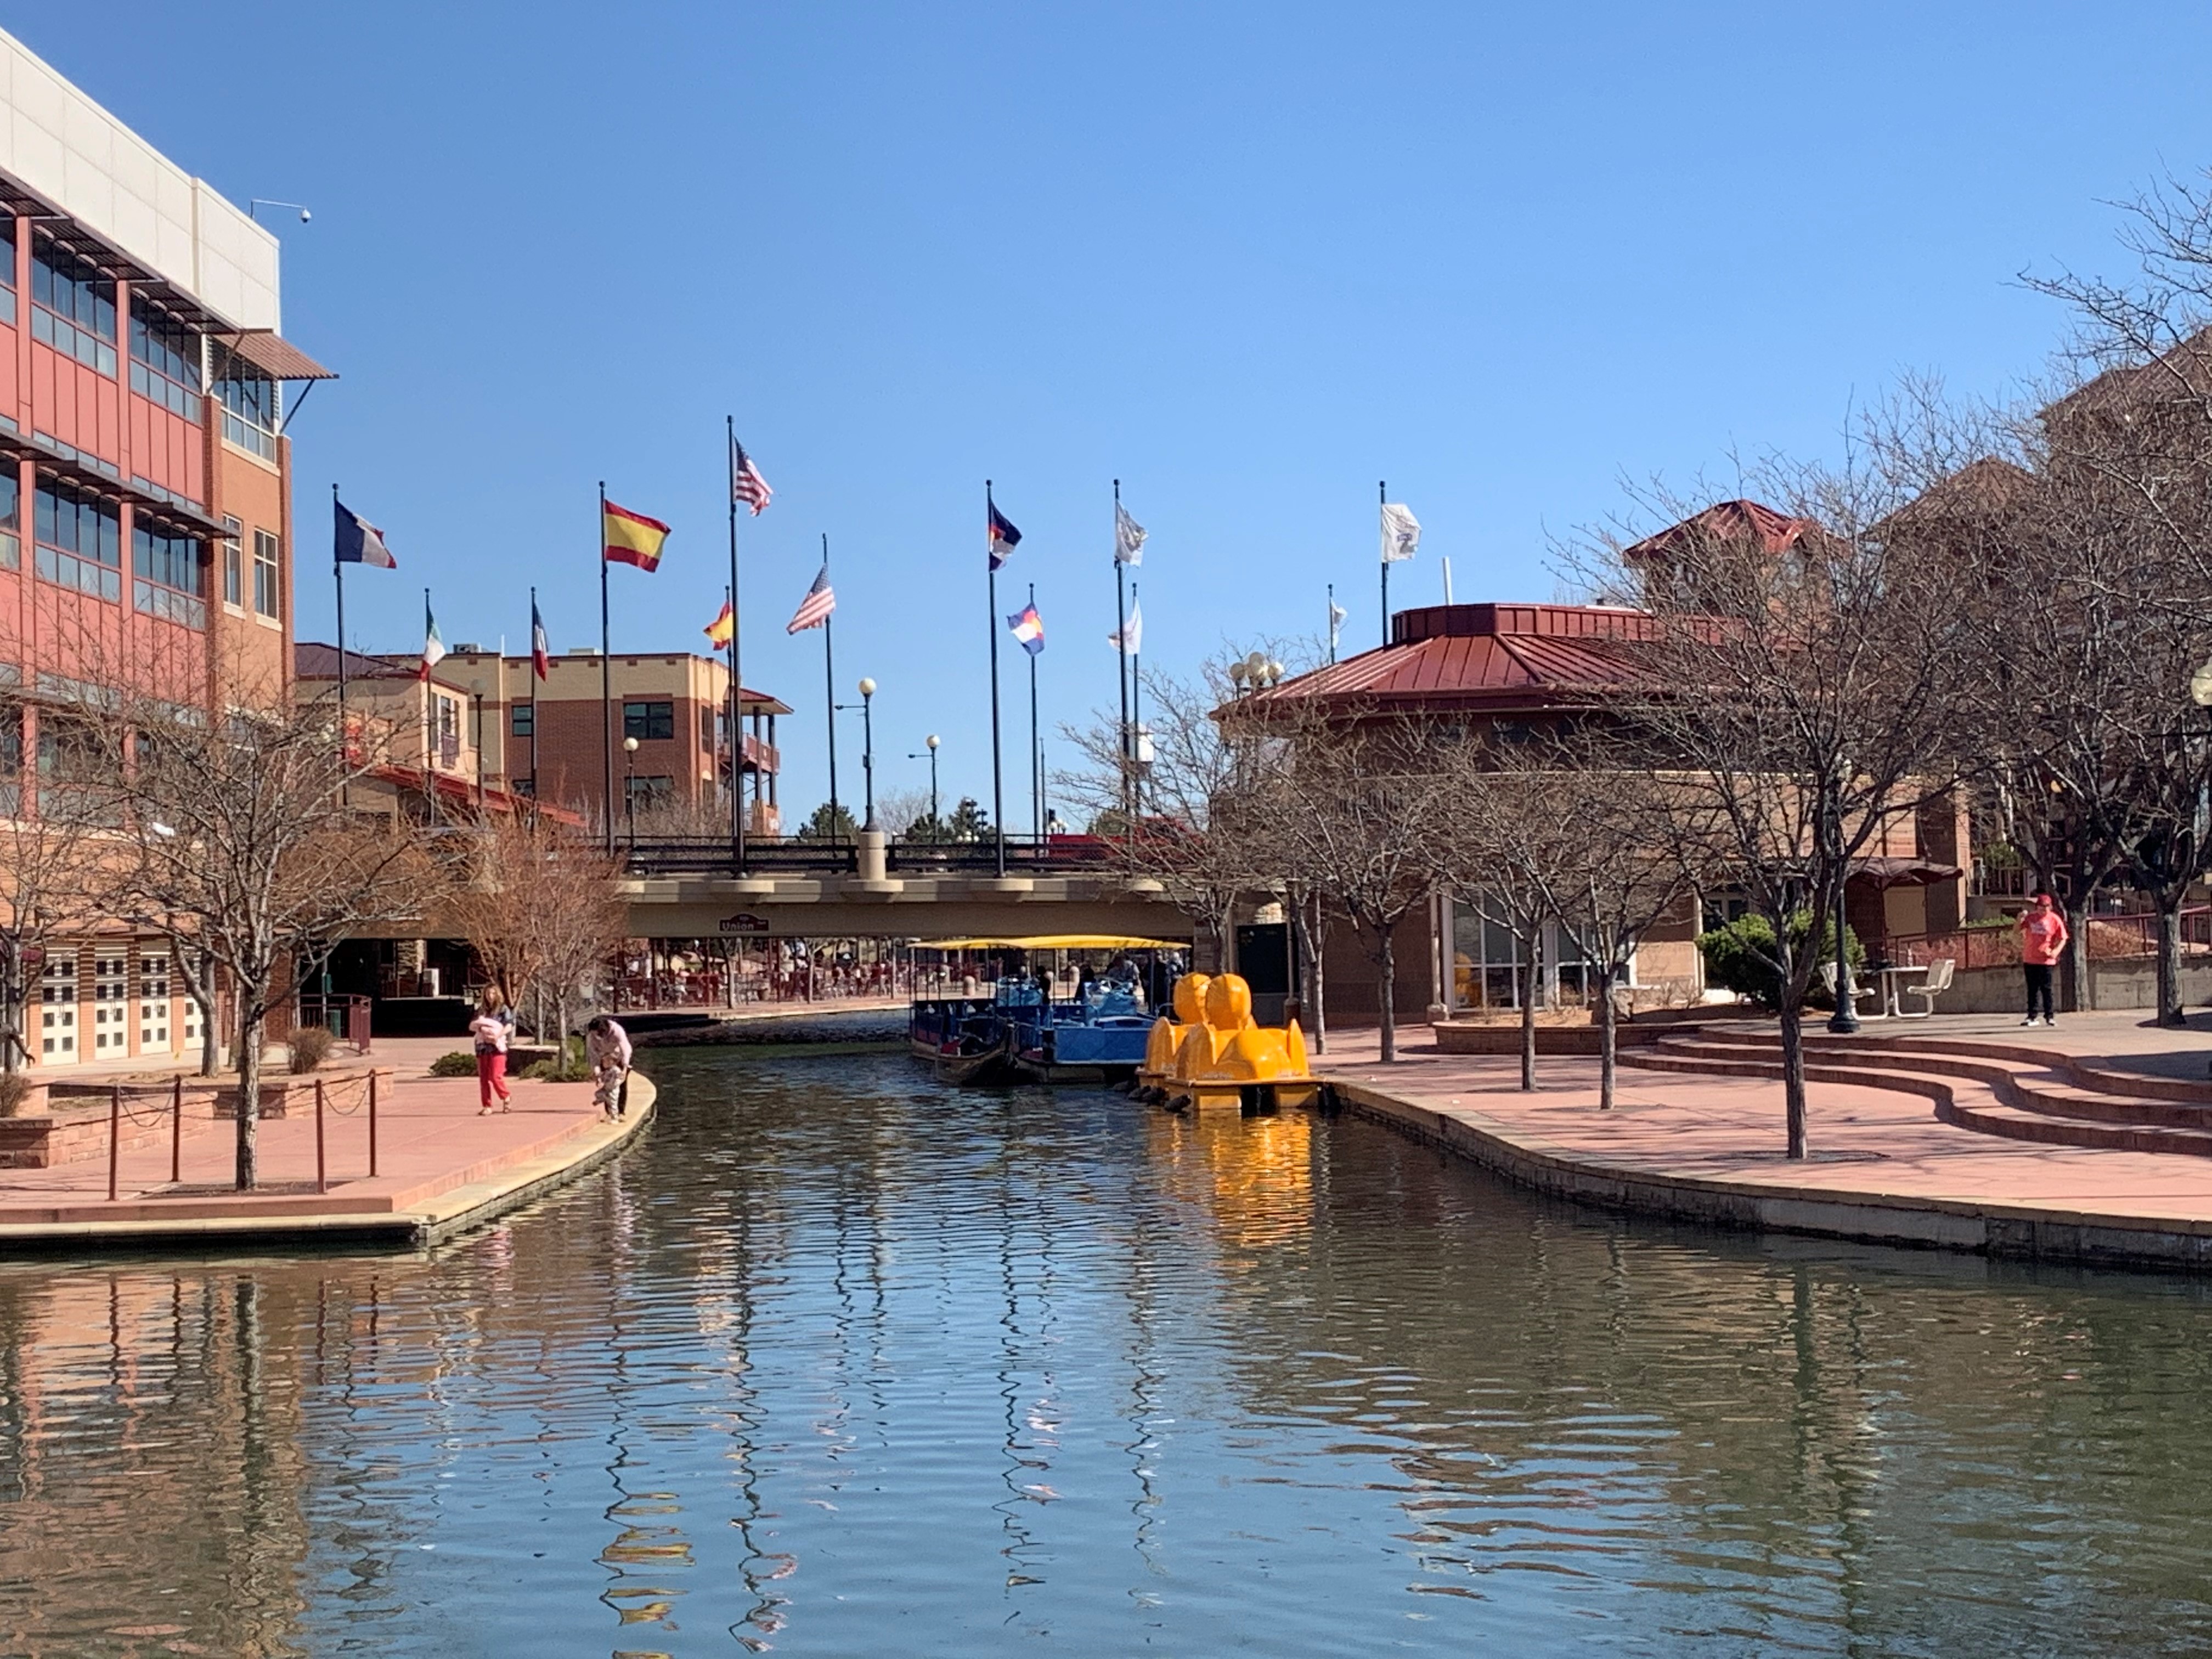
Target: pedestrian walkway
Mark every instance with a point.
(439, 1167)
(1701, 1144)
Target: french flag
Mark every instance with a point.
(359, 542)
(541, 653)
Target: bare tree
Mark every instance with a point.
(530, 894)
(241, 848)
(1494, 850)
(56, 860)
(1799, 673)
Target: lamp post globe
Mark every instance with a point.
(629, 791)
(867, 752)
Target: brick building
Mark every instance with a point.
(145, 484)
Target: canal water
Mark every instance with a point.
(836, 1362)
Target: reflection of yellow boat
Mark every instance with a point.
(1213, 1054)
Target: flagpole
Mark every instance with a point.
(1381, 499)
(829, 681)
(1036, 747)
(1121, 643)
(337, 580)
(606, 675)
(533, 684)
(998, 786)
(1332, 624)
(737, 685)
(1136, 725)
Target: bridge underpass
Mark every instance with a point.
(921, 908)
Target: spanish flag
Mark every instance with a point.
(632, 539)
(720, 629)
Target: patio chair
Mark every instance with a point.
(1828, 984)
(1939, 974)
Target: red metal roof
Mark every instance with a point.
(1777, 532)
(1498, 657)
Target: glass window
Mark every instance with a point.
(234, 588)
(80, 541)
(253, 408)
(646, 721)
(11, 739)
(267, 593)
(165, 360)
(707, 728)
(169, 581)
(522, 719)
(73, 307)
(7, 269)
(11, 519)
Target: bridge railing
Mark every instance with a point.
(774, 856)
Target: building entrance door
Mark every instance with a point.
(153, 1005)
(57, 1010)
(111, 995)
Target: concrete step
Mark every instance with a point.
(2072, 1068)
(1990, 1095)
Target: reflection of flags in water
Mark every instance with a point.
(814, 610)
(1000, 537)
(1028, 628)
(1401, 532)
(1130, 637)
(1128, 538)
(541, 652)
(720, 629)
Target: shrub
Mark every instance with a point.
(1732, 965)
(456, 1064)
(14, 1090)
(569, 1068)
(310, 1046)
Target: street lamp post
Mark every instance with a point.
(1844, 1021)
(868, 753)
(931, 745)
(475, 697)
(629, 792)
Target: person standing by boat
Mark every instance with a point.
(2043, 939)
(607, 1051)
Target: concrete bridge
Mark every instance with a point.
(877, 888)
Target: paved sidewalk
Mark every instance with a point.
(1883, 1166)
(432, 1145)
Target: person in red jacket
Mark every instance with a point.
(2042, 940)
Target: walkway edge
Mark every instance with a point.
(450, 1213)
(2020, 1231)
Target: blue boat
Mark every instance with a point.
(1022, 1031)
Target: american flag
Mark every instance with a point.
(814, 610)
(746, 484)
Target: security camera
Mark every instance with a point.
(305, 216)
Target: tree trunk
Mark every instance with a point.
(15, 1011)
(2083, 990)
(249, 1097)
(1793, 1075)
(2169, 958)
(1528, 966)
(1319, 1011)
(1386, 963)
(1608, 1071)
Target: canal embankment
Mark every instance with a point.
(427, 1165)
(1891, 1162)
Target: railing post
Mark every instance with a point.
(322, 1182)
(177, 1129)
(372, 1123)
(114, 1136)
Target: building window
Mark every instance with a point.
(448, 719)
(234, 580)
(7, 269)
(168, 580)
(267, 593)
(252, 411)
(80, 541)
(11, 520)
(647, 720)
(706, 728)
(73, 307)
(645, 793)
(11, 759)
(522, 719)
(165, 361)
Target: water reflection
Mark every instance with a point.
(836, 1361)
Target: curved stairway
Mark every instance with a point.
(1993, 1088)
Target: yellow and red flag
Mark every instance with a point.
(631, 537)
(720, 629)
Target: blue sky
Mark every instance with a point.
(1248, 259)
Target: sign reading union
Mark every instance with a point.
(743, 922)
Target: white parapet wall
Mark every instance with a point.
(59, 143)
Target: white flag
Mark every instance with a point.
(1130, 637)
(1128, 538)
(1401, 532)
(1337, 613)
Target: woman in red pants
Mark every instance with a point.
(488, 1028)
